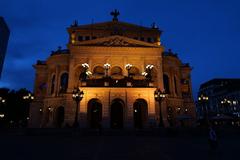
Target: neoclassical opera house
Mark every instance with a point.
(118, 66)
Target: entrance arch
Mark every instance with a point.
(59, 116)
(117, 108)
(140, 112)
(94, 113)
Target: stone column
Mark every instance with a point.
(160, 73)
(151, 109)
(57, 78)
(106, 111)
(82, 117)
(69, 110)
(129, 105)
(71, 76)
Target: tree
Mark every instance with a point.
(15, 108)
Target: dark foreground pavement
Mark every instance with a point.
(115, 147)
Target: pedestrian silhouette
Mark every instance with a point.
(212, 139)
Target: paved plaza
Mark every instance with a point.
(116, 147)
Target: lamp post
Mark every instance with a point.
(106, 67)
(28, 99)
(149, 68)
(2, 108)
(203, 100)
(77, 96)
(226, 103)
(159, 96)
(128, 67)
(106, 78)
(83, 75)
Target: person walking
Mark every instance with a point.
(212, 139)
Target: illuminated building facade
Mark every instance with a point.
(118, 66)
(223, 98)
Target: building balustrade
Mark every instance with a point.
(125, 82)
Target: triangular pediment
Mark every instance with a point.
(116, 41)
(113, 25)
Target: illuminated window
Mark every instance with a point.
(166, 83)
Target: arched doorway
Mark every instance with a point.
(117, 114)
(59, 116)
(94, 113)
(140, 113)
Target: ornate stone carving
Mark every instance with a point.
(116, 42)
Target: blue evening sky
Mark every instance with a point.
(204, 33)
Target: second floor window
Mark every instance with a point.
(63, 83)
(166, 83)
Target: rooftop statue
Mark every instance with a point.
(115, 14)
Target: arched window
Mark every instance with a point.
(64, 82)
(175, 85)
(53, 84)
(166, 83)
(134, 71)
(116, 71)
(98, 70)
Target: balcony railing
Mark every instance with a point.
(109, 82)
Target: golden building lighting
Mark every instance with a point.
(118, 66)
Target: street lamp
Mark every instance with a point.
(144, 74)
(106, 67)
(77, 96)
(149, 68)
(226, 103)
(2, 102)
(84, 75)
(85, 66)
(2, 115)
(128, 67)
(159, 96)
(203, 99)
(28, 98)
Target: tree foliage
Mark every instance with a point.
(14, 107)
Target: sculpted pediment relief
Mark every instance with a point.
(116, 41)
